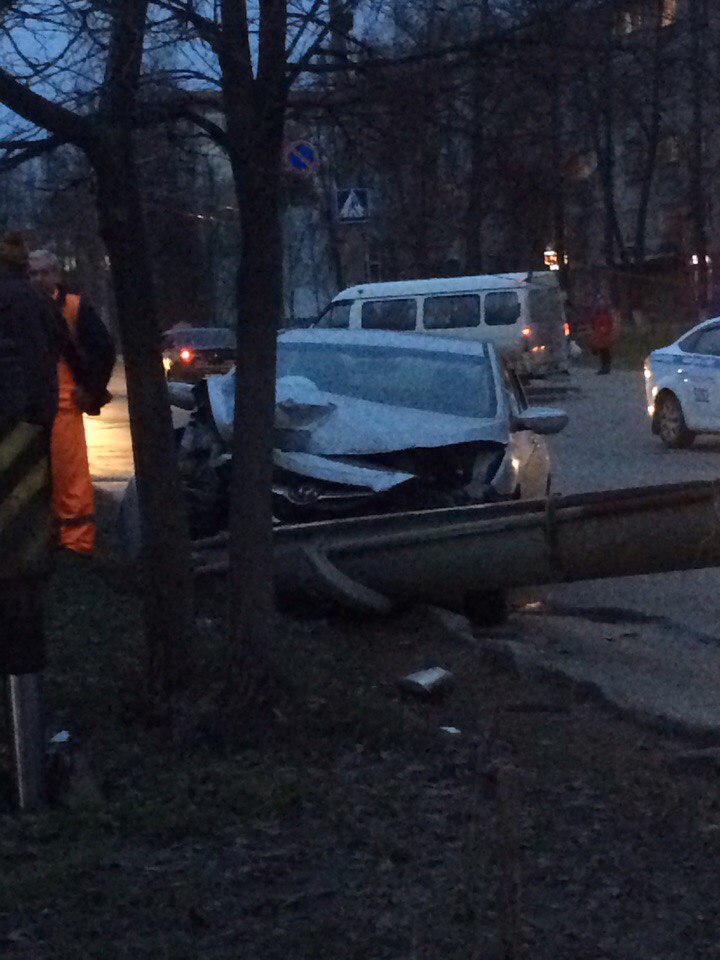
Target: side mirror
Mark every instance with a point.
(545, 420)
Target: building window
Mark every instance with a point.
(669, 12)
(629, 21)
(668, 151)
(644, 15)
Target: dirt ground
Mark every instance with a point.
(354, 826)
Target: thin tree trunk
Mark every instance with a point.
(167, 584)
(476, 185)
(255, 115)
(697, 180)
(603, 134)
(251, 581)
(556, 132)
(652, 146)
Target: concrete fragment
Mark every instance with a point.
(426, 683)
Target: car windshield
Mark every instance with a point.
(199, 338)
(439, 382)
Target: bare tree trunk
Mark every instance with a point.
(600, 94)
(653, 136)
(255, 114)
(698, 15)
(606, 168)
(167, 584)
(556, 134)
(476, 185)
(251, 580)
(107, 140)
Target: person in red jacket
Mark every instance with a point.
(83, 374)
(602, 334)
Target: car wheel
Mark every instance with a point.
(671, 423)
(486, 608)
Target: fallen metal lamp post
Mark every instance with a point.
(440, 556)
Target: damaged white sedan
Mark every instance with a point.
(372, 421)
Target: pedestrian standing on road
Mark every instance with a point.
(602, 333)
(31, 340)
(83, 374)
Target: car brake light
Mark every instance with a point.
(566, 327)
(526, 331)
(187, 356)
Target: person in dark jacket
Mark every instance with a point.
(31, 339)
(83, 373)
(31, 336)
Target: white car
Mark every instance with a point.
(682, 383)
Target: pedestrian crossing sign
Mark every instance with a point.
(353, 206)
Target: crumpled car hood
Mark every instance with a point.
(373, 476)
(312, 421)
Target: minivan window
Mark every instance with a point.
(501, 308)
(336, 316)
(389, 315)
(450, 313)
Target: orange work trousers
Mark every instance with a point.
(72, 493)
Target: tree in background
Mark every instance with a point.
(99, 118)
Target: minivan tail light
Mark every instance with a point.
(526, 331)
(566, 328)
(187, 355)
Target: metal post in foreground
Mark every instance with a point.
(26, 728)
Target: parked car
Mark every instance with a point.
(192, 353)
(521, 314)
(682, 383)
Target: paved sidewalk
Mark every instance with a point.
(660, 677)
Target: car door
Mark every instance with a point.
(528, 451)
(699, 372)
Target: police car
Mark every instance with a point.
(682, 383)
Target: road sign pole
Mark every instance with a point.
(26, 730)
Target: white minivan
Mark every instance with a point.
(521, 314)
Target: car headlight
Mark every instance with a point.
(167, 363)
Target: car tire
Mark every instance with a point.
(671, 423)
(486, 608)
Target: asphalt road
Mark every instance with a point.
(608, 445)
(108, 436)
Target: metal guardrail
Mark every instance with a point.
(442, 555)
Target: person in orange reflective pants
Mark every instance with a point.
(73, 503)
(83, 373)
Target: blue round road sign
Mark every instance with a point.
(301, 157)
